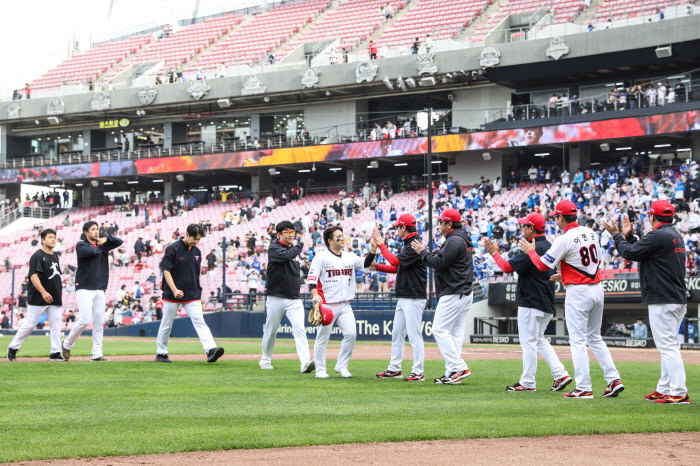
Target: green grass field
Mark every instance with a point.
(50, 410)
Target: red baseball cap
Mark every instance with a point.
(407, 220)
(564, 208)
(662, 209)
(451, 215)
(534, 219)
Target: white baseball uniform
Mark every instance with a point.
(576, 255)
(276, 308)
(407, 321)
(334, 277)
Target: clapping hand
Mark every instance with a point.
(525, 245)
(490, 247)
(611, 228)
(627, 229)
(555, 278)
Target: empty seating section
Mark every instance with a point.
(90, 64)
(352, 21)
(622, 9)
(564, 11)
(442, 19)
(263, 33)
(180, 47)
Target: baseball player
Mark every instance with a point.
(535, 299)
(661, 255)
(331, 279)
(453, 286)
(411, 282)
(43, 296)
(576, 255)
(91, 280)
(283, 296)
(181, 264)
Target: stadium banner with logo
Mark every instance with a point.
(617, 290)
(564, 341)
(371, 326)
(574, 132)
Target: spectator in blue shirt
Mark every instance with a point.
(578, 177)
(639, 330)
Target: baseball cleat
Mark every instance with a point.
(415, 378)
(345, 373)
(321, 375)
(452, 379)
(463, 374)
(613, 389)
(266, 366)
(308, 367)
(56, 357)
(214, 354)
(65, 352)
(162, 358)
(12, 354)
(654, 396)
(560, 384)
(387, 374)
(516, 387)
(578, 394)
(674, 400)
(100, 359)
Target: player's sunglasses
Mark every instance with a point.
(288, 232)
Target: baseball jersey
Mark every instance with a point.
(577, 253)
(334, 275)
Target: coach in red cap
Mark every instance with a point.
(661, 256)
(453, 285)
(534, 296)
(576, 254)
(411, 282)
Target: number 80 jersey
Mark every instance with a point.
(577, 255)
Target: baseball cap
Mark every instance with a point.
(451, 215)
(534, 219)
(564, 208)
(406, 220)
(662, 209)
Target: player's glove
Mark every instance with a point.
(315, 315)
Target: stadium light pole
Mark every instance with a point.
(430, 203)
(12, 301)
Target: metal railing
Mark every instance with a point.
(9, 216)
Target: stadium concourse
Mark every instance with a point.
(489, 210)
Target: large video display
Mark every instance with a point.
(564, 133)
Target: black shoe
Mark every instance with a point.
(162, 358)
(214, 354)
(452, 379)
(12, 354)
(56, 357)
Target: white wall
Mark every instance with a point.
(470, 167)
(320, 118)
(471, 107)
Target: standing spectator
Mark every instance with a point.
(532, 173)
(639, 329)
(222, 71)
(372, 50)
(211, 260)
(661, 258)
(428, 43)
(139, 248)
(251, 245)
(416, 47)
(4, 320)
(661, 94)
(366, 193)
(552, 105)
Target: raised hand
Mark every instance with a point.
(490, 247)
(418, 246)
(611, 228)
(526, 245)
(627, 228)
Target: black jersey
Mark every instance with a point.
(48, 269)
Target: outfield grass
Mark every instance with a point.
(39, 347)
(50, 410)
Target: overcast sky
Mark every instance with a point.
(36, 35)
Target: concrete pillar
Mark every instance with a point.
(11, 191)
(469, 106)
(93, 139)
(694, 145)
(173, 132)
(469, 168)
(172, 187)
(93, 194)
(349, 179)
(3, 143)
(254, 127)
(334, 118)
(261, 181)
(359, 171)
(579, 157)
